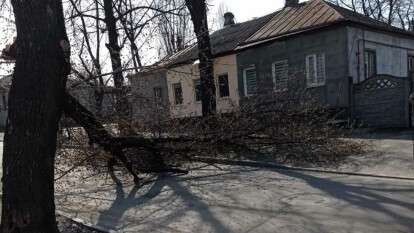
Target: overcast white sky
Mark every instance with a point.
(247, 9)
(242, 9)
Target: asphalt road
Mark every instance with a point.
(253, 199)
(246, 199)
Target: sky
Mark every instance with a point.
(242, 9)
(247, 9)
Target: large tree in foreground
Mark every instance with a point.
(35, 108)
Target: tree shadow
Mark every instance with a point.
(360, 196)
(352, 192)
(111, 218)
(197, 204)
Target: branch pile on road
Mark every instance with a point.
(286, 127)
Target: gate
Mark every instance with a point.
(382, 101)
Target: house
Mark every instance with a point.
(174, 81)
(347, 60)
(82, 92)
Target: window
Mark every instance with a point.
(4, 102)
(223, 84)
(197, 90)
(280, 74)
(157, 93)
(315, 70)
(178, 93)
(410, 63)
(370, 63)
(250, 81)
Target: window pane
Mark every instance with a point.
(224, 85)
(4, 102)
(250, 81)
(410, 63)
(157, 93)
(280, 74)
(197, 90)
(321, 75)
(370, 63)
(178, 93)
(311, 70)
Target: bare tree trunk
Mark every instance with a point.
(35, 108)
(198, 13)
(122, 105)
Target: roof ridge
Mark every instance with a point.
(355, 13)
(332, 6)
(247, 21)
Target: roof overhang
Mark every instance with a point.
(393, 30)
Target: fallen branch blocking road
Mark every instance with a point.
(288, 131)
(113, 145)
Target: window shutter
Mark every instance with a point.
(250, 81)
(280, 74)
(321, 73)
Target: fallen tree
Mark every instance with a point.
(287, 127)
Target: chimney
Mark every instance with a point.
(228, 19)
(291, 3)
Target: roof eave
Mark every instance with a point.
(251, 44)
(254, 43)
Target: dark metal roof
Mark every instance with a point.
(313, 14)
(222, 41)
(307, 16)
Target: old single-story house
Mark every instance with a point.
(175, 81)
(348, 60)
(82, 92)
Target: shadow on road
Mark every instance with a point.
(361, 196)
(358, 195)
(111, 218)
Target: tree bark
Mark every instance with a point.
(36, 97)
(198, 13)
(122, 103)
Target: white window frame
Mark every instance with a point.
(366, 65)
(245, 80)
(323, 82)
(315, 82)
(275, 86)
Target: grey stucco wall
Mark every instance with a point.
(332, 42)
(142, 96)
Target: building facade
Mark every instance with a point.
(346, 60)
